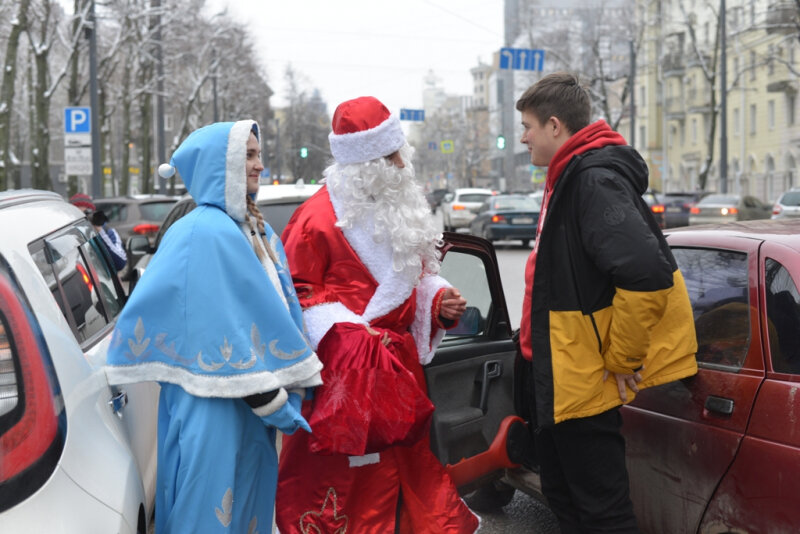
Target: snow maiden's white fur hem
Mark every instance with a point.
(236, 169)
(421, 327)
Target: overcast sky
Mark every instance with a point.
(350, 48)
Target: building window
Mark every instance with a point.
(642, 137)
(771, 114)
(752, 65)
(790, 104)
(736, 122)
(752, 119)
(771, 60)
(642, 96)
(694, 131)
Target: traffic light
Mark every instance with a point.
(303, 152)
(501, 142)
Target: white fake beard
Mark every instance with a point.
(394, 198)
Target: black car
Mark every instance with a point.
(507, 217)
(677, 207)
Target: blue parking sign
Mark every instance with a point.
(77, 120)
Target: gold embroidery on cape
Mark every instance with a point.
(253, 526)
(226, 514)
(322, 522)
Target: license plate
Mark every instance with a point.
(522, 220)
(674, 210)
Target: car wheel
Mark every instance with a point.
(491, 497)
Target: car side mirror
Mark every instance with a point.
(138, 246)
(470, 324)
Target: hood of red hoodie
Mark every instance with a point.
(597, 135)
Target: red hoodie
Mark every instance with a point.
(596, 135)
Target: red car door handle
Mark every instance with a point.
(719, 405)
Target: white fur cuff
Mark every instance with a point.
(272, 406)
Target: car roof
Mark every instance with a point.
(473, 190)
(131, 199)
(783, 231)
(269, 194)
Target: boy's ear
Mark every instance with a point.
(558, 127)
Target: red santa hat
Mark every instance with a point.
(363, 130)
(83, 201)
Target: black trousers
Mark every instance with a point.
(584, 476)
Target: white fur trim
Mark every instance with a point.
(367, 459)
(421, 327)
(319, 319)
(272, 406)
(301, 374)
(394, 287)
(235, 170)
(366, 145)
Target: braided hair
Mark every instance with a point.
(255, 213)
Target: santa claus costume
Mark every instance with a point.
(364, 262)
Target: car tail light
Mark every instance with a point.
(657, 208)
(498, 219)
(695, 210)
(776, 209)
(144, 229)
(32, 423)
(729, 211)
(458, 207)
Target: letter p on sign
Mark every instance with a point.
(76, 120)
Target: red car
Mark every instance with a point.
(718, 452)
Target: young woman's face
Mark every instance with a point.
(254, 165)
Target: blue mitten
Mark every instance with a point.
(279, 409)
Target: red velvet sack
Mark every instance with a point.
(368, 400)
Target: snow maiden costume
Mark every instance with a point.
(222, 332)
(367, 467)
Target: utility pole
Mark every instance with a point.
(723, 108)
(97, 171)
(214, 82)
(506, 97)
(632, 86)
(161, 142)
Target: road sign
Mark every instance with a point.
(78, 161)
(77, 120)
(265, 173)
(412, 114)
(447, 146)
(521, 59)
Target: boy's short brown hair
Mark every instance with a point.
(561, 95)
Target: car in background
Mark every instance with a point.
(136, 214)
(538, 196)
(460, 206)
(504, 217)
(724, 207)
(715, 452)
(435, 197)
(76, 454)
(787, 205)
(276, 202)
(677, 207)
(656, 206)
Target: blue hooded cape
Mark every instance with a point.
(208, 323)
(205, 315)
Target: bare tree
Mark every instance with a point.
(8, 172)
(306, 125)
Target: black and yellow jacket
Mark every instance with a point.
(607, 293)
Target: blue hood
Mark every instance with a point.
(211, 162)
(205, 314)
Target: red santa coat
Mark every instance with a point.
(343, 279)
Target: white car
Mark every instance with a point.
(460, 207)
(76, 455)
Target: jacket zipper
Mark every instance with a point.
(597, 335)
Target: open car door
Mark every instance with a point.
(474, 380)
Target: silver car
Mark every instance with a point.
(460, 207)
(76, 455)
(787, 205)
(723, 207)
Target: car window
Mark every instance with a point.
(791, 198)
(720, 199)
(751, 202)
(155, 211)
(448, 197)
(114, 212)
(783, 314)
(521, 203)
(278, 215)
(473, 197)
(467, 273)
(80, 279)
(717, 281)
